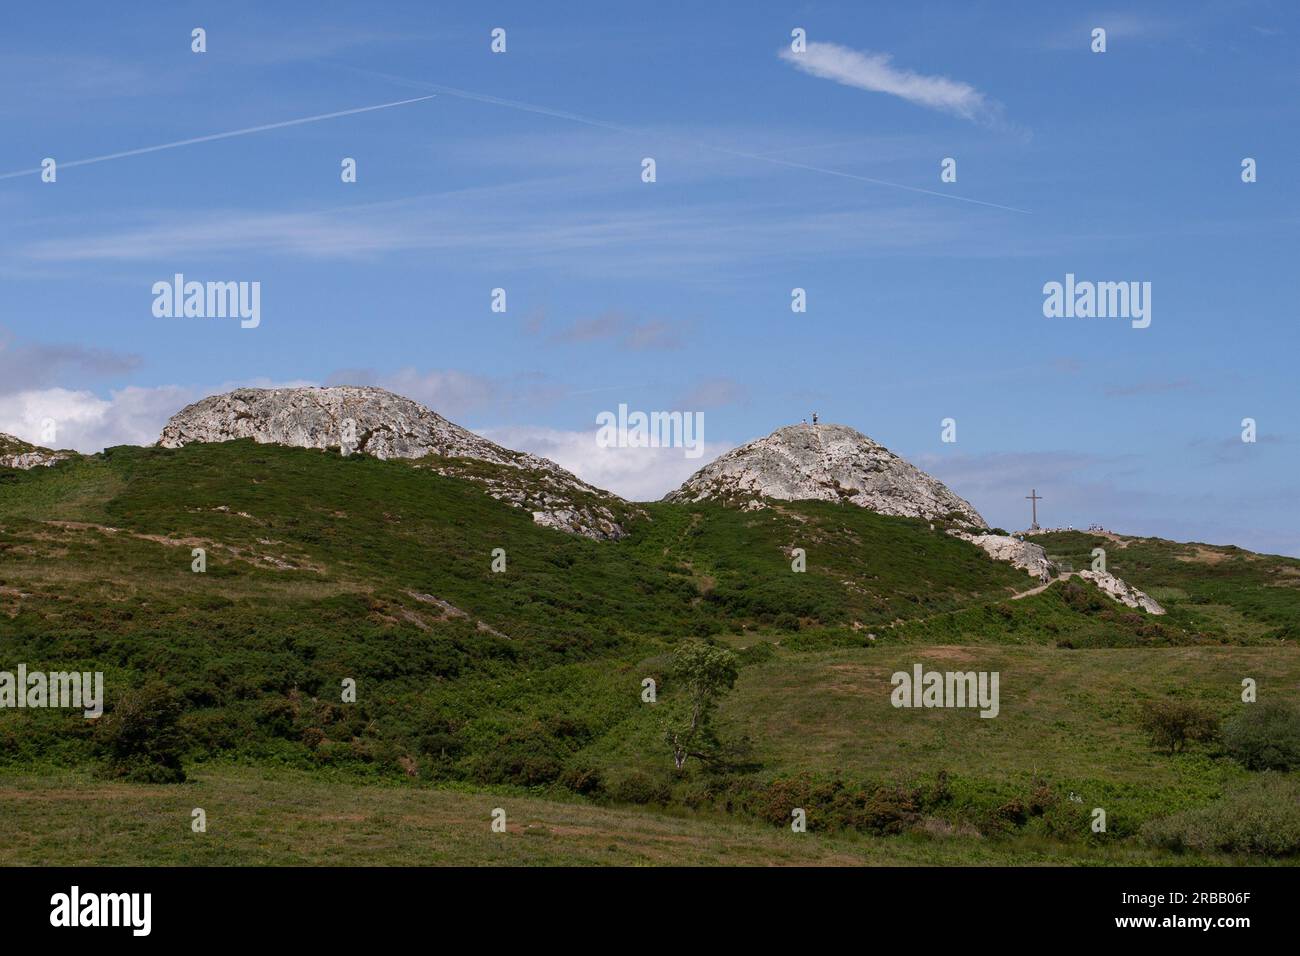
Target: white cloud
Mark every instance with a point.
(88, 423)
(638, 474)
(874, 72)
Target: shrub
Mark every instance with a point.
(890, 810)
(141, 738)
(527, 757)
(838, 805)
(636, 787)
(1262, 818)
(1081, 599)
(1069, 820)
(582, 778)
(1172, 724)
(1264, 736)
(441, 744)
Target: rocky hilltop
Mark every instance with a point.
(16, 453)
(826, 463)
(376, 422)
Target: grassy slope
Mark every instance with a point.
(321, 568)
(317, 565)
(1219, 593)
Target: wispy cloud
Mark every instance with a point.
(713, 393)
(1153, 388)
(480, 229)
(1118, 26)
(621, 329)
(990, 106)
(449, 392)
(456, 393)
(26, 367)
(52, 78)
(1231, 450)
(876, 73)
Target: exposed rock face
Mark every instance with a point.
(15, 453)
(826, 463)
(1025, 555)
(377, 422)
(1122, 591)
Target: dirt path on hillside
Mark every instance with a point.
(1043, 587)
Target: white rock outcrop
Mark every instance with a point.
(15, 453)
(1122, 591)
(1025, 555)
(377, 422)
(825, 463)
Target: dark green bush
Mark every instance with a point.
(582, 778)
(1264, 736)
(1262, 818)
(141, 738)
(639, 788)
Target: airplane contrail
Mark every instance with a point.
(587, 121)
(207, 139)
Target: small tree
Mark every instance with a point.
(1173, 723)
(706, 673)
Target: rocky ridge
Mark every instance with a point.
(376, 422)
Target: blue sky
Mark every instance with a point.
(524, 172)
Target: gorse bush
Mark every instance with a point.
(835, 804)
(1264, 736)
(140, 736)
(640, 788)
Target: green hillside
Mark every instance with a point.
(321, 569)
